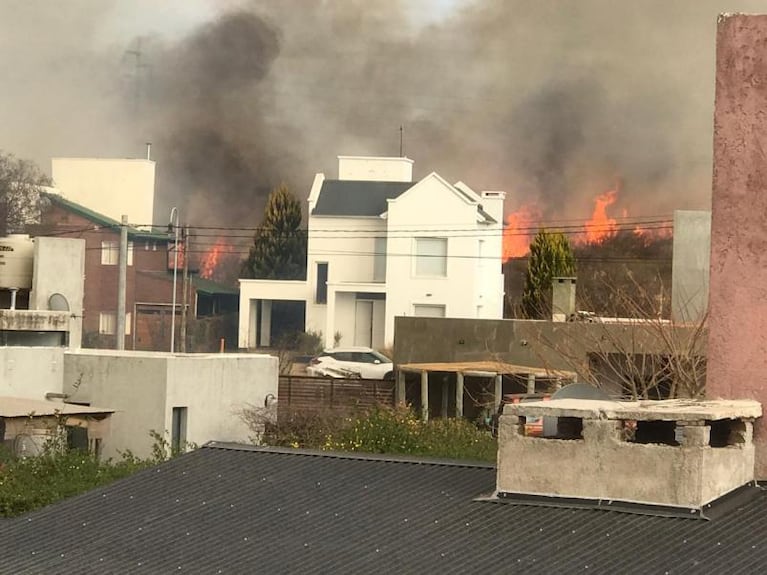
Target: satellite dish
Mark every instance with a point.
(580, 391)
(58, 302)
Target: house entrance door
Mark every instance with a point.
(363, 323)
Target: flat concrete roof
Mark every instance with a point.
(488, 368)
(22, 407)
(666, 410)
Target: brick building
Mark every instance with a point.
(149, 285)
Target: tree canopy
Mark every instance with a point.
(550, 256)
(279, 244)
(20, 201)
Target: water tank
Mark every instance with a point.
(16, 261)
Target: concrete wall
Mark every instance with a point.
(215, 389)
(545, 344)
(133, 384)
(59, 267)
(109, 186)
(145, 386)
(690, 265)
(738, 286)
(31, 372)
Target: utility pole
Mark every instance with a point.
(185, 295)
(122, 282)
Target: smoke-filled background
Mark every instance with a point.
(553, 101)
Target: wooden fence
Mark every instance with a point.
(304, 393)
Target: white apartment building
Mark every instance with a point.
(381, 245)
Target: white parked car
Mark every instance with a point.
(350, 362)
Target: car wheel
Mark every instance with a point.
(389, 376)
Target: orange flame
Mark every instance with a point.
(212, 258)
(518, 232)
(601, 226)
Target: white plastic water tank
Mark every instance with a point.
(17, 252)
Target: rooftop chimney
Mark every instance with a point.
(371, 169)
(681, 454)
(562, 298)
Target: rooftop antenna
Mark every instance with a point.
(401, 143)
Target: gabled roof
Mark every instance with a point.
(238, 509)
(356, 198)
(100, 219)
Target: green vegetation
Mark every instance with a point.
(21, 182)
(550, 256)
(279, 244)
(28, 483)
(384, 430)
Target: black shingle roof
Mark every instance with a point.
(229, 509)
(357, 198)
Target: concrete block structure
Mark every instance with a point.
(675, 453)
(187, 399)
(737, 341)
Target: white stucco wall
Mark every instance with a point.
(31, 372)
(59, 267)
(109, 186)
(143, 388)
(215, 389)
(470, 282)
(134, 384)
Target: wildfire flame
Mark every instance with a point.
(518, 231)
(520, 228)
(601, 226)
(211, 259)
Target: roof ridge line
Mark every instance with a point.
(381, 457)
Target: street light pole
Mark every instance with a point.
(174, 213)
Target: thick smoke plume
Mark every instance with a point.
(555, 102)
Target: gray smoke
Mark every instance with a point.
(555, 102)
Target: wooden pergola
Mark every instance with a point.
(494, 370)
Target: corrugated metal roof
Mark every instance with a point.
(22, 407)
(238, 510)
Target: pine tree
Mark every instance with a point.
(279, 244)
(550, 256)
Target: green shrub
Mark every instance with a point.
(400, 431)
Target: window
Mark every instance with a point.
(379, 260)
(107, 323)
(321, 292)
(110, 253)
(178, 430)
(431, 257)
(420, 310)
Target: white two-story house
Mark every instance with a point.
(381, 245)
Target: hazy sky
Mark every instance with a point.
(553, 101)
